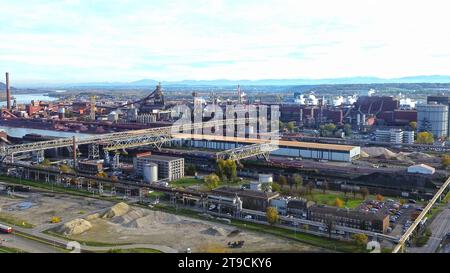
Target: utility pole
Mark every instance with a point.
(74, 147)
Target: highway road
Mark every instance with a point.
(439, 228)
(27, 245)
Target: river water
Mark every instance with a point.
(20, 132)
(27, 98)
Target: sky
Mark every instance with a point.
(68, 41)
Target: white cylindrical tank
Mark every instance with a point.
(150, 172)
(265, 178)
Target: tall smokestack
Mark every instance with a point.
(8, 93)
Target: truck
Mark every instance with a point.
(5, 229)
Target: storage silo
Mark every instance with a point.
(61, 113)
(265, 178)
(150, 172)
(433, 118)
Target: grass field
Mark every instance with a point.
(329, 198)
(134, 250)
(4, 249)
(14, 221)
(187, 181)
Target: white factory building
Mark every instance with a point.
(308, 150)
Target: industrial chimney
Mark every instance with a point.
(8, 93)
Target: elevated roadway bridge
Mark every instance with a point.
(116, 141)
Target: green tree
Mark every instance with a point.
(445, 161)
(290, 126)
(275, 187)
(364, 192)
(272, 215)
(327, 130)
(46, 162)
(231, 170)
(348, 130)
(413, 125)
(191, 169)
(282, 180)
(65, 169)
(212, 181)
(360, 239)
(298, 180)
(220, 169)
(425, 138)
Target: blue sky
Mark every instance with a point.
(127, 40)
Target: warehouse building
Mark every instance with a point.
(421, 168)
(308, 150)
(171, 168)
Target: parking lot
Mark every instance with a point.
(401, 216)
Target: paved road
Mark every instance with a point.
(439, 228)
(27, 245)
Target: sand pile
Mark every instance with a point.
(75, 227)
(383, 153)
(92, 216)
(363, 154)
(117, 210)
(215, 231)
(130, 216)
(378, 152)
(140, 218)
(419, 156)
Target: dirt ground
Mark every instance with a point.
(143, 226)
(154, 227)
(38, 208)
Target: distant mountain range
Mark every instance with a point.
(264, 82)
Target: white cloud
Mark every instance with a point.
(173, 40)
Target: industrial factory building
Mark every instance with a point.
(170, 168)
(309, 150)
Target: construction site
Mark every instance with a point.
(117, 224)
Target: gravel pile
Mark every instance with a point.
(75, 227)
